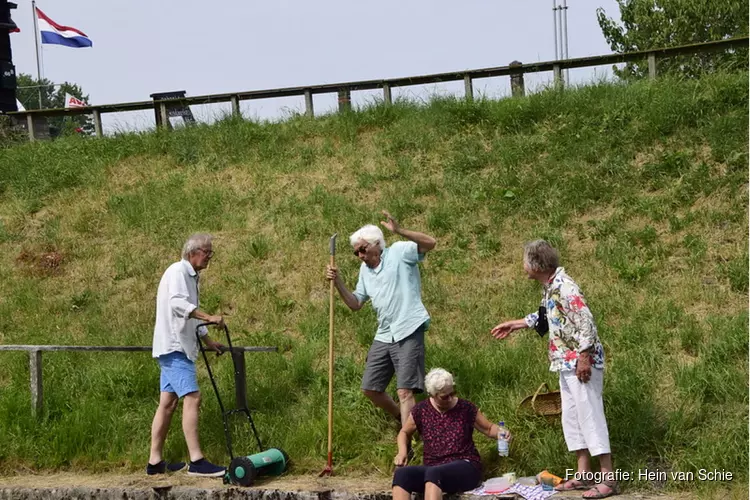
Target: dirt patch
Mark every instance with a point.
(108, 480)
(41, 264)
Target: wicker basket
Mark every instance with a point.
(545, 404)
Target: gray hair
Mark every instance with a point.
(370, 233)
(541, 256)
(437, 380)
(196, 241)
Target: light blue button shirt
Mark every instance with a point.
(395, 289)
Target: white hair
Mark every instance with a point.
(437, 380)
(196, 241)
(370, 233)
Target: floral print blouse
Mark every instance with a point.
(571, 324)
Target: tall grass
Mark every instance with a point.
(642, 187)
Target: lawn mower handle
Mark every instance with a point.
(226, 331)
(224, 412)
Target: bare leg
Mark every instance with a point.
(406, 400)
(400, 494)
(160, 425)
(384, 401)
(190, 407)
(432, 492)
(584, 465)
(584, 462)
(607, 486)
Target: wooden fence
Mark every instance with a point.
(515, 71)
(35, 365)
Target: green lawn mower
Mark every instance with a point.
(243, 470)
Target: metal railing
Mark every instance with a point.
(515, 70)
(35, 364)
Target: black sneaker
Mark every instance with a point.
(205, 468)
(163, 467)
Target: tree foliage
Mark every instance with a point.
(651, 24)
(53, 96)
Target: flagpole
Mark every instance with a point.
(36, 42)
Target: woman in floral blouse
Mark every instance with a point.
(577, 355)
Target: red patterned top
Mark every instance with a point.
(447, 436)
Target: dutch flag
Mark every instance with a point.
(53, 33)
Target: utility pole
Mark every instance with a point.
(560, 32)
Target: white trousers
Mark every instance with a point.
(584, 425)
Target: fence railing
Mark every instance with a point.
(35, 366)
(514, 70)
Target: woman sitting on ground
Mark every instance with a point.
(446, 424)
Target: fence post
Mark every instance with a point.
(557, 72)
(387, 93)
(35, 372)
(164, 115)
(98, 122)
(517, 87)
(468, 88)
(651, 65)
(309, 109)
(345, 100)
(235, 100)
(240, 379)
(30, 127)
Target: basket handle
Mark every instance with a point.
(533, 399)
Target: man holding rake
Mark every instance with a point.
(389, 277)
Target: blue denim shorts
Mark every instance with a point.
(178, 374)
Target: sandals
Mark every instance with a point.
(611, 485)
(574, 484)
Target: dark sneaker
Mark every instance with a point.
(163, 467)
(205, 468)
(176, 466)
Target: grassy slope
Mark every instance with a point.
(643, 188)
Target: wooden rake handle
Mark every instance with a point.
(332, 251)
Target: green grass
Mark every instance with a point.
(643, 188)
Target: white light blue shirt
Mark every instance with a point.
(395, 289)
(177, 297)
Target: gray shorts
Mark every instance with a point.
(404, 358)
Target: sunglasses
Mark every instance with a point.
(446, 397)
(361, 250)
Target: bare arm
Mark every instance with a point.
(504, 329)
(404, 436)
(217, 320)
(332, 274)
(424, 242)
(483, 425)
(198, 314)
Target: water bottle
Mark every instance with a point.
(502, 440)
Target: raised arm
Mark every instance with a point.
(424, 242)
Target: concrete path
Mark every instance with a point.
(180, 486)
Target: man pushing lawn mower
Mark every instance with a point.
(389, 277)
(176, 348)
